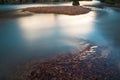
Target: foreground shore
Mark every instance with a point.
(68, 10)
(88, 64)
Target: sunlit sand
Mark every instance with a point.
(69, 10)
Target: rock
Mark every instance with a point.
(75, 3)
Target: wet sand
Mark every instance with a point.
(88, 64)
(68, 10)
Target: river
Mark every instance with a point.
(44, 35)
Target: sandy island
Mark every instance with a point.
(68, 10)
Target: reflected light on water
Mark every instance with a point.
(56, 26)
(33, 26)
(93, 2)
(77, 25)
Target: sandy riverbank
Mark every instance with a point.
(68, 10)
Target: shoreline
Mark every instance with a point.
(67, 10)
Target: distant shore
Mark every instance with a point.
(68, 10)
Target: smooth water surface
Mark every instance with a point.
(44, 35)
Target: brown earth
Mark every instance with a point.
(68, 10)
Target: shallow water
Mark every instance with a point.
(45, 35)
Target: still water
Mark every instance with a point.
(44, 35)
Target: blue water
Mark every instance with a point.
(45, 35)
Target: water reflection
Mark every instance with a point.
(58, 33)
(77, 25)
(55, 31)
(36, 25)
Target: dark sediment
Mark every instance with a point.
(13, 14)
(86, 65)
